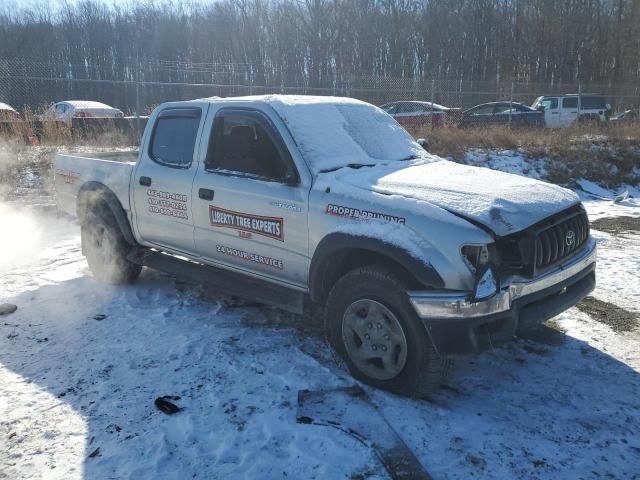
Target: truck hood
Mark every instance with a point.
(503, 202)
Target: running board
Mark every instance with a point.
(225, 281)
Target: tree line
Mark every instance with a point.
(328, 43)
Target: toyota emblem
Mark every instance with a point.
(570, 239)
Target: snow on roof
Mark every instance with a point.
(420, 102)
(5, 106)
(82, 104)
(435, 105)
(333, 132)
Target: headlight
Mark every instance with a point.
(475, 256)
(486, 285)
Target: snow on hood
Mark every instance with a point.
(503, 202)
(333, 132)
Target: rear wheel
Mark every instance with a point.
(106, 250)
(372, 325)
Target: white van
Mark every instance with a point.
(563, 110)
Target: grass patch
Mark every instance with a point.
(99, 132)
(607, 154)
(617, 225)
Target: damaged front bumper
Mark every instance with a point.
(458, 325)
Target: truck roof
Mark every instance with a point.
(573, 95)
(288, 100)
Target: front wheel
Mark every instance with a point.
(372, 325)
(106, 251)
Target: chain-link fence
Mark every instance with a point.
(137, 89)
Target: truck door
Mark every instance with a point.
(551, 113)
(569, 111)
(250, 202)
(164, 176)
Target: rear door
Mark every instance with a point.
(163, 177)
(523, 116)
(480, 115)
(405, 114)
(251, 198)
(502, 112)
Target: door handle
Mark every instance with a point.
(205, 194)
(145, 181)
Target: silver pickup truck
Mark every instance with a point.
(288, 200)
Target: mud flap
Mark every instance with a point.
(349, 409)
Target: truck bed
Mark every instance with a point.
(111, 169)
(127, 156)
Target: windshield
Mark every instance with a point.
(333, 133)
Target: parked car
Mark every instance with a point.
(628, 116)
(417, 114)
(26, 131)
(8, 113)
(502, 113)
(290, 199)
(65, 111)
(564, 110)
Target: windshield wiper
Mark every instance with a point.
(355, 166)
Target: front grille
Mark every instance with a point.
(560, 240)
(543, 245)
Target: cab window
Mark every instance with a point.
(482, 110)
(571, 102)
(549, 103)
(390, 109)
(174, 136)
(407, 108)
(593, 103)
(246, 143)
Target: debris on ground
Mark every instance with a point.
(95, 453)
(348, 409)
(7, 308)
(165, 406)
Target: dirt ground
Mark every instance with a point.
(619, 319)
(617, 225)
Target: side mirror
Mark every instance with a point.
(424, 143)
(540, 108)
(291, 180)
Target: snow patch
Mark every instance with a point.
(389, 232)
(509, 161)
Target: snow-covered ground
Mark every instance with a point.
(77, 390)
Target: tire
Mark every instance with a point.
(369, 307)
(106, 250)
